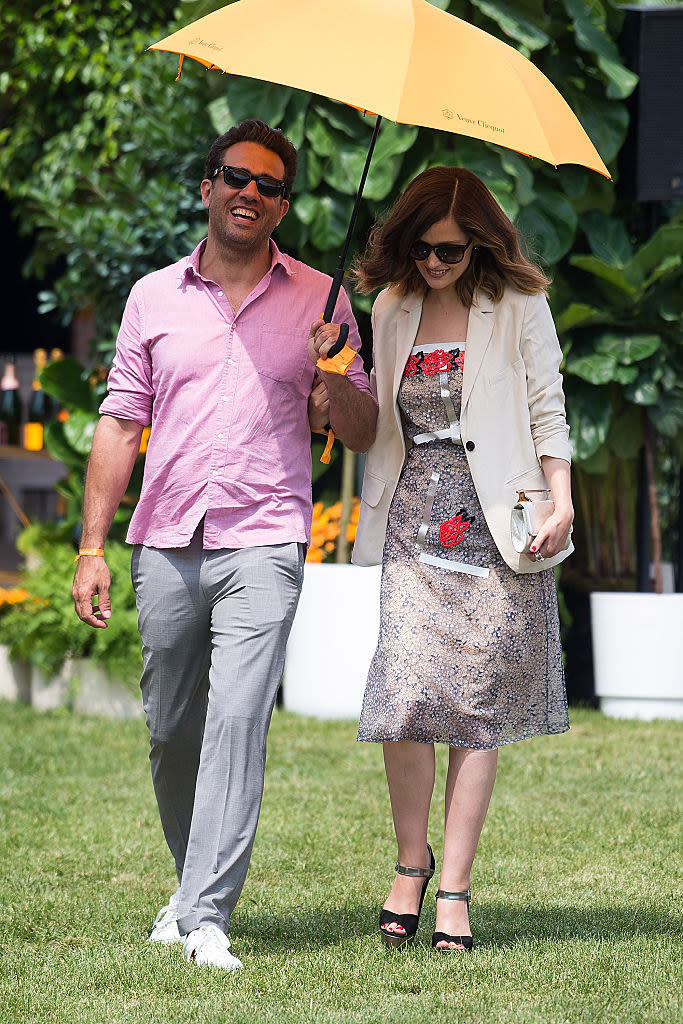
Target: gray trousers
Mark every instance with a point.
(214, 626)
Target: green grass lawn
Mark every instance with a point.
(576, 895)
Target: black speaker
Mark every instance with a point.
(651, 160)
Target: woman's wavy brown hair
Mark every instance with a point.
(439, 192)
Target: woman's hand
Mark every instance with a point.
(321, 339)
(319, 406)
(553, 535)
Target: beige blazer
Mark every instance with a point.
(512, 412)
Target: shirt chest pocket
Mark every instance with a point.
(281, 355)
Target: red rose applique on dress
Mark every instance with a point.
(437, 362)
(412, 366)
(460, 358)
(453, 530)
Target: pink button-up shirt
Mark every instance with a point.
(227, 398)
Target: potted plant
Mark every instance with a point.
(623, 338)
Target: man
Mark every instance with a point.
(213, 352)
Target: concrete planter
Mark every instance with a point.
(332, 640)
(80, 685)
(638, 654)
(51, 692)
(94, 693)
(15, 678)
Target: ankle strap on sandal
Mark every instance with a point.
(444, 894)
(401, 869)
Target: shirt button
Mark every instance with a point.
(224, 398)
(214, 472)
(220, 295)
(470, 446)
(230, 362)
(221, 434)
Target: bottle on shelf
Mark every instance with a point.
(10, 406)
(58, 411)
(39, 411)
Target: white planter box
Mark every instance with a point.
(332, 640)
(638, 654)
(15, 678)
(51, 692)
(79, 685)
(96, 694)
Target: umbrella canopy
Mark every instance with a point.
(402, 59)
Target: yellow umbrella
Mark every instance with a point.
(404, 60)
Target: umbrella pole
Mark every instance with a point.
(338, 276)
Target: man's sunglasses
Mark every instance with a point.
(239, 177)
(448, 253)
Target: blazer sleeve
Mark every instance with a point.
(542, 356)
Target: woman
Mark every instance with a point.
(471, 411)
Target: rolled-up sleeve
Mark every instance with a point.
(356, 371)
(129, 384)
(542, 357)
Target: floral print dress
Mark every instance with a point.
(469, 651)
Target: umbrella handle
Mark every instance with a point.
(329, 312)
(338, 276)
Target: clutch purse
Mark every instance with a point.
(528, 516)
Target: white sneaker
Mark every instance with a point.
(165, 927)
(208, 946)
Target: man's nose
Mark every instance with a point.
(250, 190)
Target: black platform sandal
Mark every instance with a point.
(408, 922)
(463, 940)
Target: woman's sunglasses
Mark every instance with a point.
(448, 253)
(239, 177)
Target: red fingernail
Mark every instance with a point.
(533, 549)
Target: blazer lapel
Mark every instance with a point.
(407, 324)
(479, 330)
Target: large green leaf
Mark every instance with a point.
(628, 348)
(596, 369)
(64, 380)
(580, 314)
(79, 430)
(249, 97)
(591, 35)
(590, 416)
(667, 414)
(513, 24)
(548, 224)
(643, 391)
(665, 243)
(607, 238)
(616, 277)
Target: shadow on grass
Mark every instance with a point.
(494, 924)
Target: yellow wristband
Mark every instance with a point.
(339, 363)
(89, 551)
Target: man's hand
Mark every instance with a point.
(319, 406)
(321, 339)
(92, 580)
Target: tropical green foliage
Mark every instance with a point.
(623, 337)
(102, 154)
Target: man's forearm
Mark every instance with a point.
(353, 413)
(114, 449)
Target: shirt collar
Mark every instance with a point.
(190, 265)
